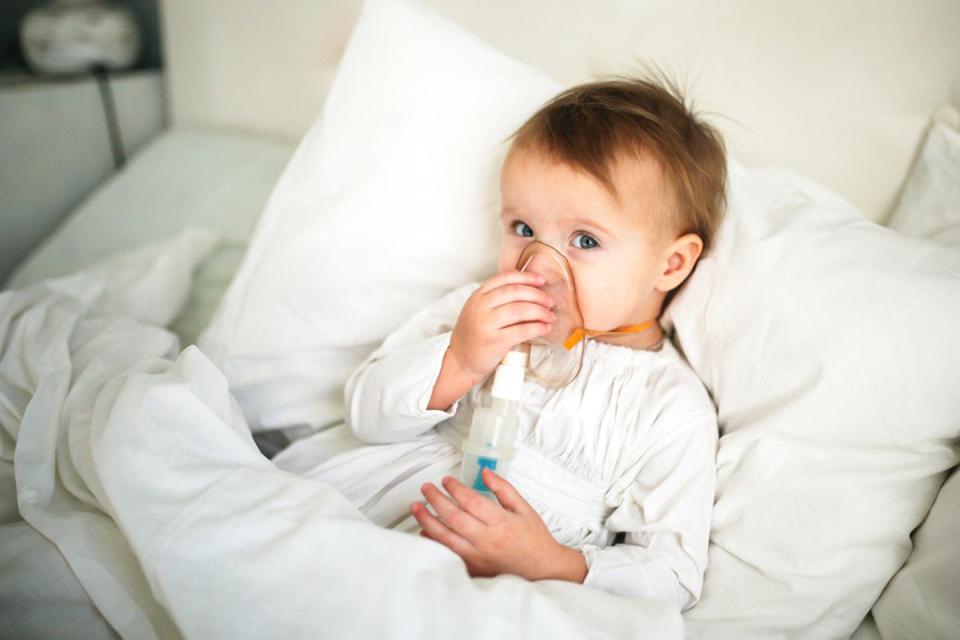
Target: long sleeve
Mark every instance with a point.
(386, 397)
(665, 514)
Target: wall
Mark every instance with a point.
(54, 150)
(54, 146)
(837, 91)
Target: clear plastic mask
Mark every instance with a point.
(555, 359)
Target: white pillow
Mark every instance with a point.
(929, 206)
(830, 347)
(389, 202)
(923, 597)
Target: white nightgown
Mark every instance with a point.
(629, 446)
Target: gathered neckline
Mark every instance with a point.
(622, 352)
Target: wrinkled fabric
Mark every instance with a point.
(629, 446)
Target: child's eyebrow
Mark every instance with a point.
(586, 222)
(580, 221)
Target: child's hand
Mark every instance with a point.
(494, 539)
(504, 311)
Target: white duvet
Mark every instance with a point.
(132, 458)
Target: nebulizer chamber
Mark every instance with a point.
(493, 431)
(550, 360)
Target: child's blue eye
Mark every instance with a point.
(522, 229)
(584, 241)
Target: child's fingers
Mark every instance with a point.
(517, 312)
(458, 520)
(436, 530)
(511, 277)
(518, 293)
(526, 331)
(508, 496)
(476, 505)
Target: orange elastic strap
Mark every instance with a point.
(580, 333)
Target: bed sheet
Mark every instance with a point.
(213, 179)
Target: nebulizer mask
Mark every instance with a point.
(552, 361)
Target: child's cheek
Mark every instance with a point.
(600, 304)
(590, 305)
(508, 259)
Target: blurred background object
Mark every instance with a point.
(75, 36)
(81, 89)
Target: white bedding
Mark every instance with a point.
(163, 512)
(134, 460)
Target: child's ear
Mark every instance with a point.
(678, 261)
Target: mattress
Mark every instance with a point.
(213, 179)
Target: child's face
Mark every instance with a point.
(618, 256)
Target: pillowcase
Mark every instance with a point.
(929, 205)
(389, 202)
(921, 599)
(829, 345)
(923, 594)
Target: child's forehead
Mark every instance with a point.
(636, 182)
(627, 165)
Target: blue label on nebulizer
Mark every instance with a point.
(489, 463)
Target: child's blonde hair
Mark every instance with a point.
(591, 126)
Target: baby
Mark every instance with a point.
(613, 482)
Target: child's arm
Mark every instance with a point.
(414, 380)
(453, 383)
(665, 514)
